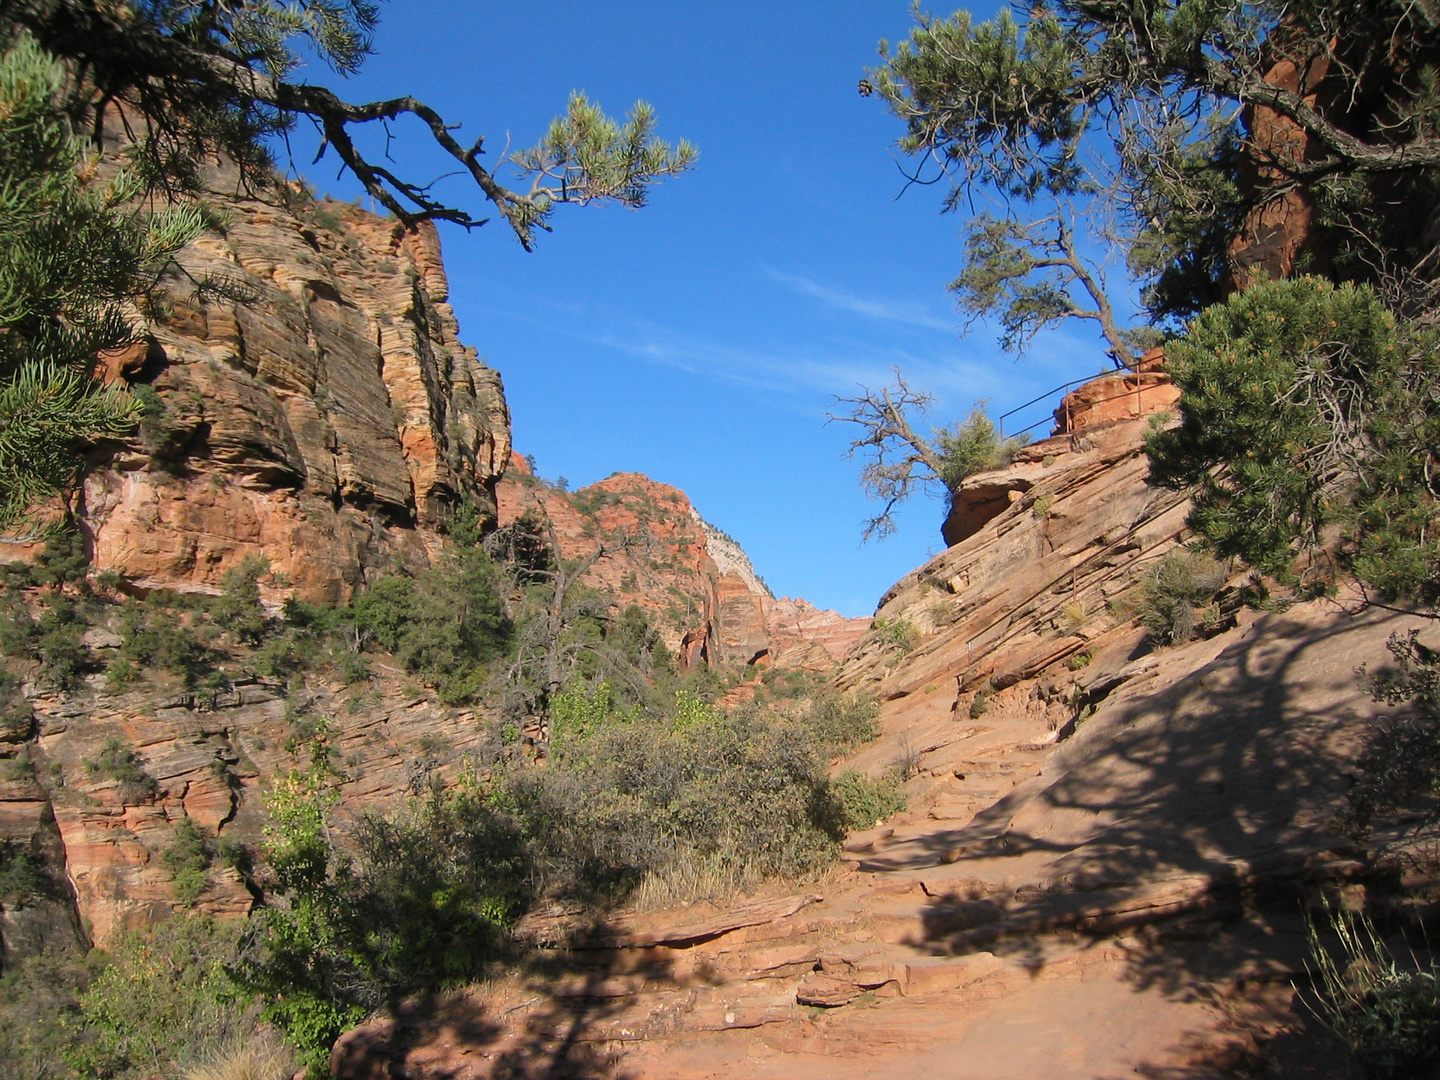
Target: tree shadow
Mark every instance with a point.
(1198, 820)
(577, 1008)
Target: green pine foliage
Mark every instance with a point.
(72, 253)
(1127, 123)
(1307, 410)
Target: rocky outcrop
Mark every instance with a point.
(696, 582)
(307, 399)
(1084, 419)
(209, 758)
(1036, 582)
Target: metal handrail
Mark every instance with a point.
(1000, 420)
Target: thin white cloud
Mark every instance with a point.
(910, 314)
(958, 372)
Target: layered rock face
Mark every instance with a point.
(696, 582)
(208, 758)
(312, 404)
(1040, 547)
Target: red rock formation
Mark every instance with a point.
(806, 636)
(698, 585)
(1125, 395)
(211, 760)
(1029, 586)
(326, 416)
(1093, 409)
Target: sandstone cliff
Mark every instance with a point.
(696, 582)
(307, 399)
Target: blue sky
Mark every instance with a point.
(702, 340)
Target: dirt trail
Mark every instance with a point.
(1073, 901)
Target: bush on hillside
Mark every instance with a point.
(1386, 1014)
(238, 609)
(118, 761)
(974, 445)
(1175, 587)
(1307, 405)
(420, 903)
(629, 795)
(862, 802)
(156, 1004)
(154, 634)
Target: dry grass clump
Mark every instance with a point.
(261, 1056)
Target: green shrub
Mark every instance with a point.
(839, 722)
(19, 767)
(238, 609)
(40, 1021)
(59, 642)
(121, 673)
(979, 704)
(385, 610)
(861, 802)
(119, 762)
(17, 627)
(156, 636)
(22, 874)
(1306, 405)
(898, 634)
(62, 561)
(443, 626)
(973, 445)
(327, 219)
(423, 903)
(633, 795)
(188, 859)
(1175, 586)
(1387, 1017)
(164, 1001)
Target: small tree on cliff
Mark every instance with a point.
(899, 460)
(1168, 129)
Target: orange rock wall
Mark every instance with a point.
(324, 415)
(704, 613)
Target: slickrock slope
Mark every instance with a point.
(1100, 874)
(313, 404)
(708, 603)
